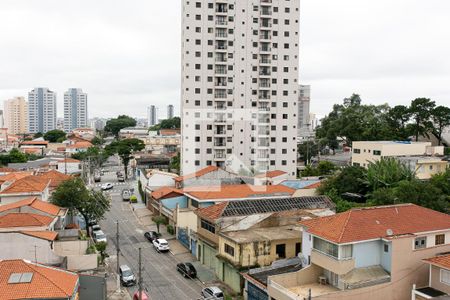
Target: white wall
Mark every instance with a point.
(307, 243)
(367, 254)
(158, 180)
(71, 167)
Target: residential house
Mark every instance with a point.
(247, 233)
(438, 285)
(22, 279)
(134, 133)
(37, 146)
(364, 152)
(271, 177)
(30, 186)
(13, 176)
(6, 171)
(55, 178)
(156, 179)
(78, 147)
(167, 141)
(424, 167)
(210, 175)
(26, 222)
(365, 253)
(67, 166)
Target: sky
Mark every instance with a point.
(126, 53)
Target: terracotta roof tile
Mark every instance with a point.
(29, 184)
(199, 173)
(442, 261)
(45, 235)
(212, 212)
(361, 224)
(35, 203)
(271, 174)
(164, 191)
(313, 186)
(80, 145)
(14, 176)
(46, 282)
(24, 220)
(34, 143)
(55, 177)
(7, 170)
(237, 191)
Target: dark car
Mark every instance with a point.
(187, 270)
(151, 235)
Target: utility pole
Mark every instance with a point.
(140, 276)
(117, 254)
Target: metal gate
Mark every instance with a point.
(255, 293)
(183, 236)
(194, 247)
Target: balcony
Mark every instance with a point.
(221, 22)
(265, 61)
(340, 267)
(265, 49)
(220, 132)
(220, 144)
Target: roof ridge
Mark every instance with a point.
(44, 266)
(345, 225)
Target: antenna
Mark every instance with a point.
(389, 232)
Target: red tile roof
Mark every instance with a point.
(199, 173)
(29, 184)
(45, 235)
(237, 191)
(55, 177)
(80, 145)
(362, 224)
(164, 191)
(35, 203)
(271, 174)
(24, 220)
(7, 170)
(14, 176)
(313, 186)
(34, 143)
(212, 212)
(46, 282)
(442, 261)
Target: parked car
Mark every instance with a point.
(187, 270)
(212, 292)
(107, 186)
(161, 245)
(151, 235)
(126, 195)
(99, 236)
(97, 178)
(127, 277)
(121, 178)
(144, 296)
(96, 227)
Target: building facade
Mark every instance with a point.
(151, 115)
(240, 85)
(170, 111)
(15, 112)
(41, 110)
(304, 123)
(75, 109)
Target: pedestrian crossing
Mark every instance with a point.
(117, 189)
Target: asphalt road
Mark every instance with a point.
(160, 278)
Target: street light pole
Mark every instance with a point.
(117, 255)
(140, 276)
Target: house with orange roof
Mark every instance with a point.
(271, 177)
(5, 171)
(78, 147)
(210, 175)
(26, 187)
(365, 253)
(13, 176)
(438, 285)
(22, 279)
(55, 178)
(36, 146)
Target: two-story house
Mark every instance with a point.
(365, 253)
(438, 285)
(30, 186)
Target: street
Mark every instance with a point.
(160, 277)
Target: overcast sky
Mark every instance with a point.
(126, 54)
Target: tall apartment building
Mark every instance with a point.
(15, 112)
(151, 115)
(75, 109)
(170, 111)
(41, 110)
(304, 123)
(240, 84)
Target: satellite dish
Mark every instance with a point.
(389, 232)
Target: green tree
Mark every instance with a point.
(55, 135)
(421, 110)
(307, 150)
(114, 126)
(441, 119)
(172, 123)
(125, 149)
(387, 172)
(397, 118)
(422, 193)
(73, 195)
(348, 180)
(175, 163)
(37, 135)
(101, 247)
(158, 221)
(15, 156)
(383, 196)
(97, 141)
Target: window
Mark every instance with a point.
(439, 239)
(280, 250)
(376, 152)
(420, 242)
(445, 276)
(357, 151)
(386, 248)
(228, 249)
(298, 248)
(208, 226)
(326, 247)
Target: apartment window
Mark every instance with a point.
(208, 226)
(197, 163)
(439, 239)
(445, 276)
(357, 151)
(376, 152)
(228, 249)
(420, 242)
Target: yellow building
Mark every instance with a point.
(16, 115)
(424, 167)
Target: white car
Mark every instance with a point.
(100, 236)
(161, 245)
(212, 292)
(107, 186)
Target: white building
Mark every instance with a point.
(41, 110)
(170, 111)
(151, 115)
(304, 123)
(75, 109)
(240, 85)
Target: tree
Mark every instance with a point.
(73, 195)
(96, 156)
(101, 247)
(175, 163)
(172, 123)
(441, 119)
(397, 118)
(422, 193)
(15, 156)
(114, 126)
(158, 221)
(38, 135)
(97, 141)
(307, 150)
(386, 173)
(348, 180)
(421, 110)
(125, 148)
(55, 135)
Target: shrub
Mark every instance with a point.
(133, 199)
(170, 229)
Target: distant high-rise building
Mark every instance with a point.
(41, 110)
(304, 98)
(2, 119)
(151, 115)
(170, 111)
(240, 84)
(75, 109)
(97, 124)
(15, 112)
